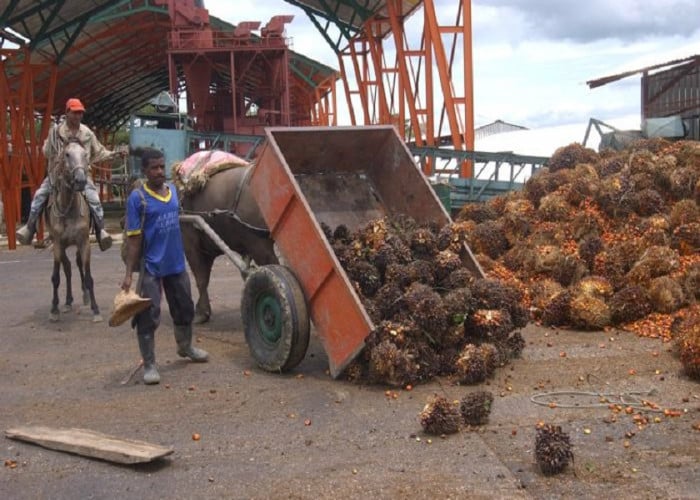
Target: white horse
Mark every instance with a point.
(68, 222)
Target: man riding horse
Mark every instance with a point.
(71, 129)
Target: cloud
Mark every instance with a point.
(531, 57)
(592, 20)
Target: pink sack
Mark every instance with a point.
(208, 162)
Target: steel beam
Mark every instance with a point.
(22, 163)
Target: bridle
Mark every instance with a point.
(64, 172)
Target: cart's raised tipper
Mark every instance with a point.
(335, 175)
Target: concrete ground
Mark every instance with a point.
(304, 435)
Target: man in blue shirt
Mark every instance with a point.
(153, 234)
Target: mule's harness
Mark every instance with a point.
(232, 212)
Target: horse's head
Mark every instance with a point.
(75, 164)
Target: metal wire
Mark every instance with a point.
(631, 399)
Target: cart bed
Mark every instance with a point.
(336, 175)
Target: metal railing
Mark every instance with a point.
(192, 39)
(493, 174)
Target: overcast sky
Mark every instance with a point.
(533, 57)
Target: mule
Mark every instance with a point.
(68, 222)
(227, 205)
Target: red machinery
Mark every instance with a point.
(236, 82)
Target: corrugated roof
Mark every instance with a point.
(352, 14)
(599, 82)
(110, 53)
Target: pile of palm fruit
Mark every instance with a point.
(432, 316)
(602, 240)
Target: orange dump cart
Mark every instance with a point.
(336, 175)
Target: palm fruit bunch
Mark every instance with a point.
(630, 303)
(478, 212)
(554, 207)
(440, 416)
(423, 302)
(541, 294)
(631, 217)
(446, 262)
(588, 312)
(425, 306)
(655, 261)
(570, 156)
(589, 246)
(391, 358)
(392, 365)
(453, 236)
(552, 449)
(366, 275)
(666, 294)
(423, 243)
(498, 294)
(458, 305)
(686, 238)
(558, 311)
(516, 218)
(691, 284)
(513, 346)
(489, 238)
(476, 363)
(459, 278)
(588, 309)
(491, 325)
(475, 407)
(687, 335)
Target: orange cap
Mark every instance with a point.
(74, 105)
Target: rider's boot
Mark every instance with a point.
(147, 345)
(183, 336)
(104, 239)
(26, 233)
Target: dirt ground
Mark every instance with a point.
(304, 435)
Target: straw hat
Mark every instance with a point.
(126, 305)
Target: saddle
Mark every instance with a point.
(193, 173)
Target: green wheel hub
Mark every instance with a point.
(275, 318)
(269, 318)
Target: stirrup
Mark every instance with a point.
(24, 235)
(104, 240)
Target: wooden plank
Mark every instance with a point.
(90, 444)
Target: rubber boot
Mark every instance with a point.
(183, 336)
(26, 233)
(104, 239)
(147, 344)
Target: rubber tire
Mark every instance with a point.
(275, 285)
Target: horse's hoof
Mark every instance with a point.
(97, 318)
(67, 308)
(200, 319)
(54, 317)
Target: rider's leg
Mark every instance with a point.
(104, 240)
(25, 234)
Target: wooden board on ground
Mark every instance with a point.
(90, 444)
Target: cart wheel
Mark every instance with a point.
(275, 318)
